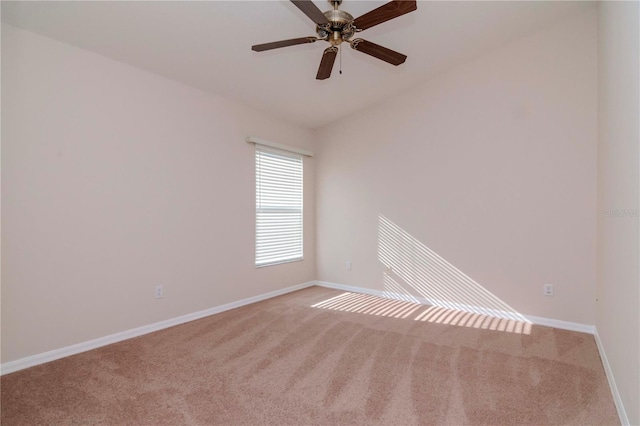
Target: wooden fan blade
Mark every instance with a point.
(282, 43)
(388, 11)
(377, 51)
(326, 64)
(311, 10)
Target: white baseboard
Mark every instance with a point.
(548, 322)
(563, 325)
(30, 361)
(624, 420)
(351, 288)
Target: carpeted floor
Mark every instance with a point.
(321, 356)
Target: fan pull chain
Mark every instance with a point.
(340, 60)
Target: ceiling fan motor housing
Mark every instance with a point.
(340, 27)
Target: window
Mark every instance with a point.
(278, 207)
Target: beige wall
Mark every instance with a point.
(115, 180)
(480, 184)
(618, 290)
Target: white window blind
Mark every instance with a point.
(278, 207)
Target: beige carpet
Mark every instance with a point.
(321, 356)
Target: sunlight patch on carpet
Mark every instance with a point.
(402, 309)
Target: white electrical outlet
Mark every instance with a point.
(348, 265)
(159, 292)
(548, 289)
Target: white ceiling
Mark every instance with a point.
(207, 45)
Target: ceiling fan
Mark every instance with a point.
(337, 26)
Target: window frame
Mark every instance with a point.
(296, 185)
